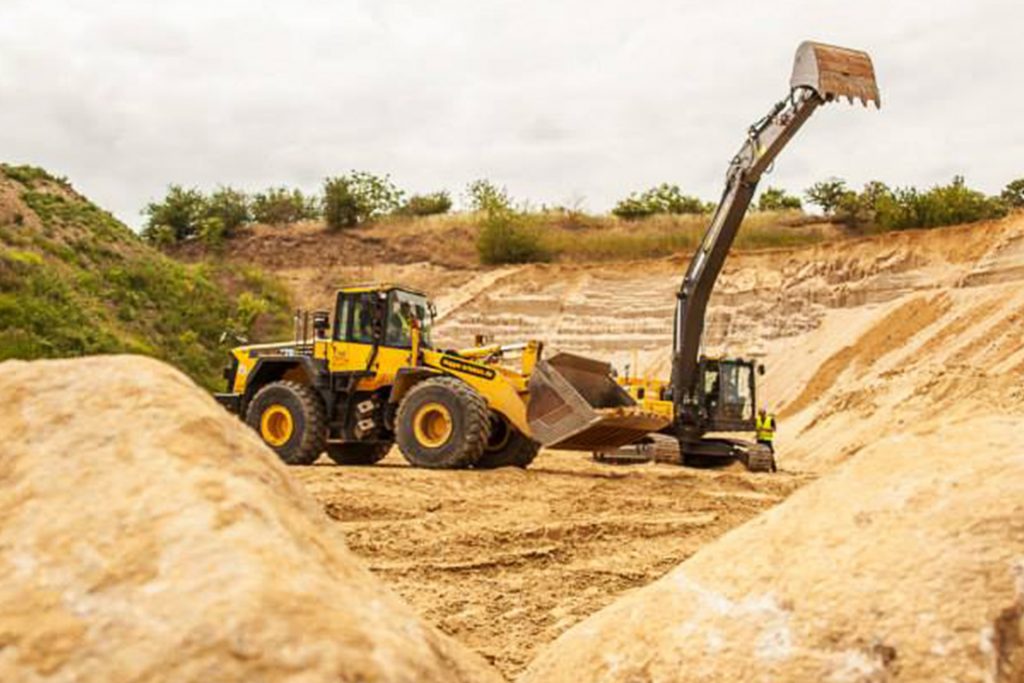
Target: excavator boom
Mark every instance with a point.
(821, 73)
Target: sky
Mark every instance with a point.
(574, 103)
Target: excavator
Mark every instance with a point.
(704, 395)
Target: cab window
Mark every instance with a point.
(404, 309)
(354, 318)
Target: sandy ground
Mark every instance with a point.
(901, 339)
(507, 560)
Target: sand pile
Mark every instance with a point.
(147, 535)
(888, 568)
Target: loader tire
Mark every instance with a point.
(358, 453)
(442, 423)
(507, 446)
(291, 420)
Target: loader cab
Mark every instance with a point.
(726, 394)
(382, 316)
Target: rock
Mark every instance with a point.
(147, 535)
(906, 563)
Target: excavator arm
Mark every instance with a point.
(821, 74)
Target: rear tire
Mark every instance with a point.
(507, 446)
(442, 423)
(357, 453)
(291, 420)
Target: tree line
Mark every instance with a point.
(359, 197)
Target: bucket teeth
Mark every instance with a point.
(834, 72)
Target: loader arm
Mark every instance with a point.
(821, 73)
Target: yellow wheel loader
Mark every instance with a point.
(353, 383)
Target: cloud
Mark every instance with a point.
(554, 100)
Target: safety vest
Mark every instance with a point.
(765, 428)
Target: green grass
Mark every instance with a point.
(75, 281)
(609, 239)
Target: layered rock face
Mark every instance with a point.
(147, 535)
(889, 568)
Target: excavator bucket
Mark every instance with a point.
(834, 72)
(576, 405)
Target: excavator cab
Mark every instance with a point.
(726, 394)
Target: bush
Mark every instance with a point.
(905, 208)
(510, 237)
(486, 196)
(776, 199)
(827, 194)
(427, 204)
(178, 214)
(230, 207)
(357, 198)
(664, 199)
(1013, 194)
(281, 206)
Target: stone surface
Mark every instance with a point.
(146, 535)
(906, 563)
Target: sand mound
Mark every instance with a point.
(147, 535)
(909, 568)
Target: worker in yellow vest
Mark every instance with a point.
(765, 428)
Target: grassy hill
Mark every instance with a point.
(75, 281)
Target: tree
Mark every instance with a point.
(486, 196)
(776, 199)
(827, 194)
(281, 206)
(230, 207)
(178, 215)
(1013, 194)
(357, 198)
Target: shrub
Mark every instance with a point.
(179, 213)
(357, 198)
(280, 206)
(486, 196)
(508, 236)
(663, 199)
(908, 207)
(1013, 194)
(230, 207)
(427, 204)
(776, 199)
(827, 194)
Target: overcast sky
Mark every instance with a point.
(562, 102)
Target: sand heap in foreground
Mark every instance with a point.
(891, 566)
(147, 535)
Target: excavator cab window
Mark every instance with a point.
(737, 401)
(727, 394)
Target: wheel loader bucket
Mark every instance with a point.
(835, 72)
(576, 405)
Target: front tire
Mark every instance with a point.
(291, 419)
(442, 423)
(358, 453)
(507, 447)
